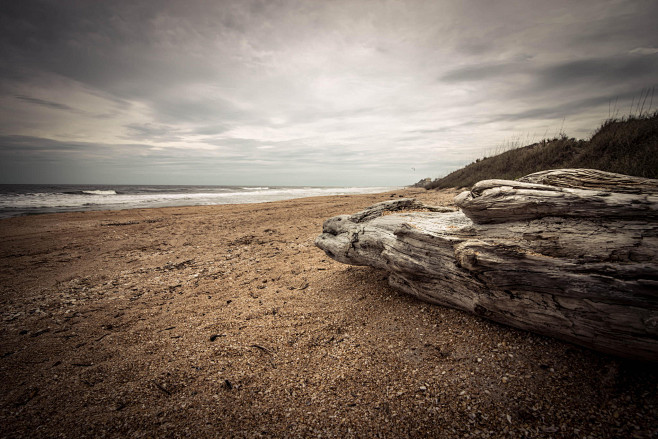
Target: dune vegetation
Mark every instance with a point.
(626, 146)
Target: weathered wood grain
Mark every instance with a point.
(578, 268)
(495, 201)
(593, 179)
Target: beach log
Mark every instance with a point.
(570, 260)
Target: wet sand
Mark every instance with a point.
(226, 321)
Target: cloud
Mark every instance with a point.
(48, 104)
(565, 110)
(154, 132)
(483, 72)
(601, 71)
(321, 88)
(644, 51)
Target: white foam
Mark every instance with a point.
(97, 192)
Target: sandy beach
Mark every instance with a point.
(226, 321)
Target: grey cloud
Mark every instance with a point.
(15, 144)
(45, 103)
(109, 45)
(210, 129)
(565, 110)
(635, 21)
(233, 142)
(600, 70)
(19, 145)
(644, 50)
(476, 47)
(21, 153)
(483, 72)
(147, 131)
(199, 109)
(64, 107)
(350, 85)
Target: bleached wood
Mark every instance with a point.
(495, 201)
(593, 179)
(588, 279)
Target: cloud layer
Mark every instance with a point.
(307, 93)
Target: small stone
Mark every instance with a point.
(422, 388)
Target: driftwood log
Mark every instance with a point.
(569, 253)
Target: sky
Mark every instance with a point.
(308, 92)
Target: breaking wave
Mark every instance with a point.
(97, 192)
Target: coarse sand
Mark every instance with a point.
(226, 321)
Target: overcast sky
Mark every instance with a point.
(366, 93)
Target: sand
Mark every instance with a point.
(226, 321)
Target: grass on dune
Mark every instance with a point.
(626, 146)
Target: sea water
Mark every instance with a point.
(17, 200)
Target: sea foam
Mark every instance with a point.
(99, 192)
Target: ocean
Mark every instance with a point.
(28, 199)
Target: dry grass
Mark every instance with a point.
(626, 146)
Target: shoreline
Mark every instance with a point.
(16, 200)
(225, 320)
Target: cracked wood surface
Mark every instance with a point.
(572, 263)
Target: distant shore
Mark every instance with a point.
(226, 321)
